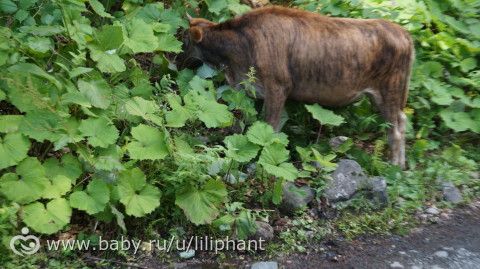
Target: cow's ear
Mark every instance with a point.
(197, 34)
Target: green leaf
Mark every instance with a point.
(143, 108)
(108, 159)
(25, 4)
(39, 45)
(10, 123)
(179, 115)
(201, 206)
(168, 43)
(140, 37)
(273, 158)
(109, 37)
(99, 8)
(8, 6)
(68, 166)
(108, 61)
(23, 68)
(31, 184)
(468, 64)
(104, 49)
(208, 110)
(100, 132)
(149, 143)
(138, 197)
(42, 125)
(458, 121)
(13, 148)
(206, 71)
(263, 134)
(49, 219)
(57, 187)
(324, 116)
(216, 6)
(240, 149)
(98, 92)
(94, 199)
(441, 94)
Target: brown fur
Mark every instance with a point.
(312, 58)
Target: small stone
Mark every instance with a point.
(451, 193)
(441, 254)
(187, 254)
(475, 175)
(331, 256)
(337, 141)
(295, 198)
(402, 253)
(378, 187)
(147, 247)
(416, 267)
(347, 179)
(396, 265)
(264, 231)
(445, 216)
(432, 211)
(264, 265)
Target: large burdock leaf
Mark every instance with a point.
(239, 148)
(208, 110)
(98, 7)
(27, 185)
(97, 92)
(104, 49)
(57, 187)
(179, 115)
(263, 134)
(42, 125)
(13, 149)
(324, 116)
(201, 206)
(138, 197)
(68, 166)
(168, 42)
(149, 143)
(141, 37)
(49, 219)
(93, 199)
(273, 158)
(146, 109)
(100, 132)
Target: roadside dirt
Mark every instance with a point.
(448, 244)
(454, 243)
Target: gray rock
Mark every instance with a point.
(451, 193)
(432, 211)
(294, 198)
(337, 141)
(264, 265)
(378, 187)
(264, 231)
(441, 254)
(347, 179)
(396, 265)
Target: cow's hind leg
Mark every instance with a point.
(390, 98)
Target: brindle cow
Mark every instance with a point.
(312, 58)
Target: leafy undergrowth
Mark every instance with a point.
(101, 134)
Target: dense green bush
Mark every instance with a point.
(96, 118)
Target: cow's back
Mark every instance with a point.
(318, 57)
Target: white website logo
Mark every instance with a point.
(27, 244)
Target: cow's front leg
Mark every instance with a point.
(275, 98)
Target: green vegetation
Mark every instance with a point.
(99, 129)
